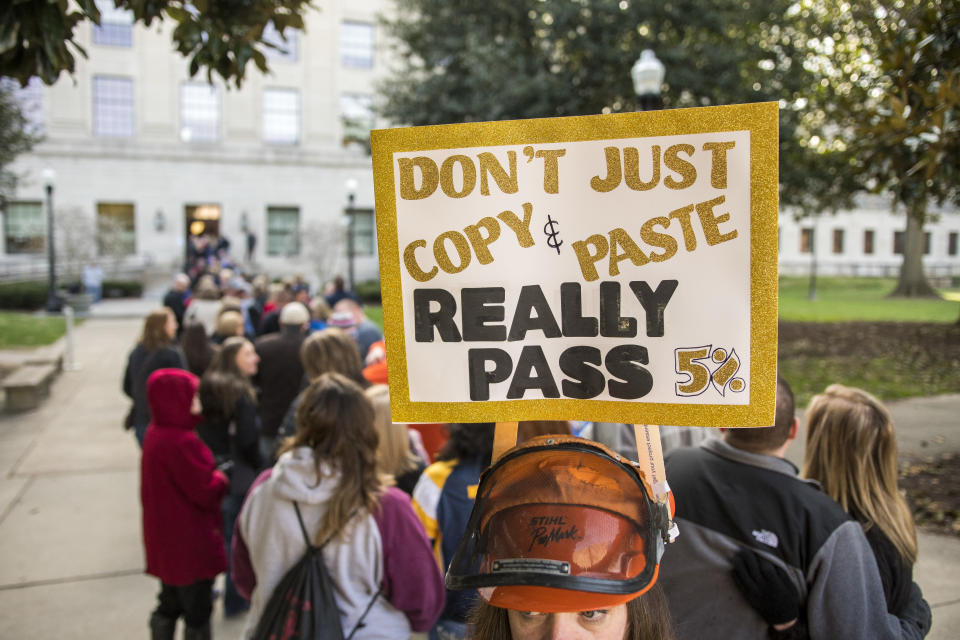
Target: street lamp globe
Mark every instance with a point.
(647, 74)
(49, 178)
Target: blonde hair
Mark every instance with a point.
(206, 288)
(229, 323)
(393, 453)
(852, 451)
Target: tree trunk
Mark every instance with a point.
(913, 281)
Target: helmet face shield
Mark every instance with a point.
(560, 524)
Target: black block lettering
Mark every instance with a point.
(624, 362)
(587, 382)
(532, 358)
(480, 378)
(532, 299)
(654, 303)
(425, 320)
(479, 307)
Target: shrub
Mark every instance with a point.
(368, 291)
(27, 296)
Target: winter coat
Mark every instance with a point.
(140, 365)
(386, 550)
(233, 437)
(180, 488)
(279, 376)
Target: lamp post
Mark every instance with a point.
(647, 74)
(351, 186)
(53, 302)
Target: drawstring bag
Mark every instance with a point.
(303, 606)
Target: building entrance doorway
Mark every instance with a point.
(203, 231)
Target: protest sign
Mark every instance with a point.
(618, 268)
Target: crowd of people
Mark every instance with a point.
(264, 419)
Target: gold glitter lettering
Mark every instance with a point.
(413, 268)
(685, 169)
(718, 171)
(631, 168)
(469, 176)
(520, 227)
(613, 172)
(429, 177)
(662, 240)
(459, 243)
(551, 172)
(589, 259)
(619, 238)
(711, 222)
(683, 215)
(490, 166)
(480, 242)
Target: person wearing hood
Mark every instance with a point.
(181, 491)
(376, 550)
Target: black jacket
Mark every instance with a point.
(140, 365)
(728, 499)
(279, 377)
(234, 437)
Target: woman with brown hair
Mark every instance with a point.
(155, 350)
(231, 428)
(851, 451)
(197, 347)
(646, 617)
(372, 544)
(327, 351)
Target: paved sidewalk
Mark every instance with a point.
(71, 558)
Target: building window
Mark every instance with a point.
(952, 243)
(868, 242)
(356, 45)
(116, 229)
(116, 25)
(356, 112)
(283, 231)
(30, 100)
(806, 240)
(112, 107)
(24, 227)
(284, 45)
(898, 238)
(838, 240)
(281, 116)
(363, 232)
(199, 112)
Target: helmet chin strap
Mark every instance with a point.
(650, 458)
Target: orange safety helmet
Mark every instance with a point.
(561, 524)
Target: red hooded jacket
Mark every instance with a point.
(180, 488)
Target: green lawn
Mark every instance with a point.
(375, 313)
(863, 299)
(27, 330)
(892, 347)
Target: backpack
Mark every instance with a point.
(302, 606)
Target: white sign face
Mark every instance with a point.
(585, 274)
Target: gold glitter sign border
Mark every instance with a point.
(760, 119)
